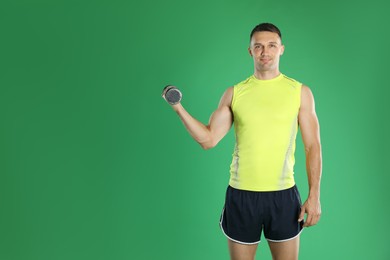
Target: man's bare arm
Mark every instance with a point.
(310, 131)
(219, 124)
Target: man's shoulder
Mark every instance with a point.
(243, 82)
(292, 81)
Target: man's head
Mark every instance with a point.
(266, 27)
(266, 46)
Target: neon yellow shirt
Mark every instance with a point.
(266, 124)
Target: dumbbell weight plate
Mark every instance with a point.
(172, 95)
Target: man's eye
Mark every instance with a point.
(273, 45)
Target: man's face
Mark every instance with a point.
(266, 49)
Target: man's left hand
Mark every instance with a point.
(312, 207)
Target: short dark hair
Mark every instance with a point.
(268, 27)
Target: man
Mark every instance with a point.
(267, 109)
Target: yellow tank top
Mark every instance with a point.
(266, 124)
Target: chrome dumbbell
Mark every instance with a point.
(172, 94)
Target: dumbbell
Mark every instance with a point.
(172, 94)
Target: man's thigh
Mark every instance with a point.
(287, 250)
(241, 251)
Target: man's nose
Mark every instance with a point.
(264, 50)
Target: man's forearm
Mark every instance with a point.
(314, 170)
(197, 130)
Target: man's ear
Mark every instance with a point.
(250, 51)
(282, 50)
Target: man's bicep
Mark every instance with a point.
(222, 119)
(308, 121)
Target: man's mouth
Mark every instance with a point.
(265, 60)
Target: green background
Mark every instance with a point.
(95, 165)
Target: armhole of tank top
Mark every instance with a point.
(300, 95)
(233, 98)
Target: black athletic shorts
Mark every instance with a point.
(247, 213)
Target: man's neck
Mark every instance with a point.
(265, 75)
